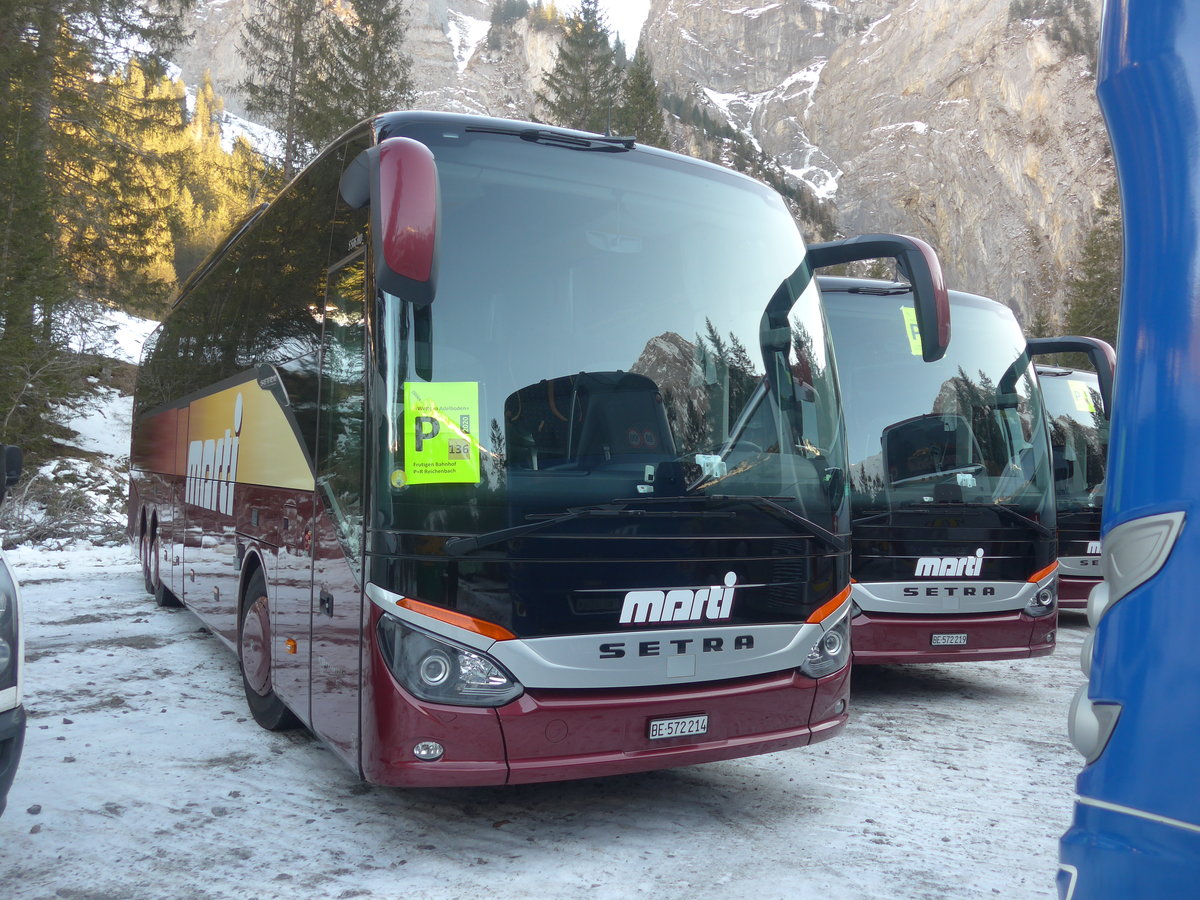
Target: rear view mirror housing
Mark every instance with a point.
(918, 263)
(1099, 353)
(398, 178)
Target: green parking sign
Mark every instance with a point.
(440, 444)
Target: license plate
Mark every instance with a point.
(681, 727)
(949, 640)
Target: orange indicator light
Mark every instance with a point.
(470, 623)
(1038, 576)
(828, 609)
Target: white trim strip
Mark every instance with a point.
(1074, 874)
(1138, 813)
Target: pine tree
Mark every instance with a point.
(364, 70)
(71, 182)
(504, 13)
(131, 256)
(217, 187)
(320, 66)
(546, 17)
(641, 110)
(279, 44)
(1094, 294)
(583, 89)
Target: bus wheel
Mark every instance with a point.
(162, 594)
(144, 553)
(254, 654)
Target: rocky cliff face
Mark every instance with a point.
(952, 120)
(442, 38)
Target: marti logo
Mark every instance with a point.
(212, 467)
(950, 566)
(680, 605)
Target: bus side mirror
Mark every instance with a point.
(918, 263)
(1099, 353)
(398, 178)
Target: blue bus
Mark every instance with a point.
(1136, 828)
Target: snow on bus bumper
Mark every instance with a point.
(1073, 592)
(561, 735)
(885, 639)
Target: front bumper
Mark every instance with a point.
(889, 639)
(560, 735)
(1073, 592)
(12, 741)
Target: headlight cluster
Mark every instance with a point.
(441, 671)
(8, 630)
(1043, 602)
(831, 653)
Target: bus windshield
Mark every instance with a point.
(968, 429)
(603, 342)
(1078, 436)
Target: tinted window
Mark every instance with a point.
(598, 333)
(968, 428)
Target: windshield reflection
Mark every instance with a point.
(967, 429)
(600, 334)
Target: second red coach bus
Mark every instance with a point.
(501, 453)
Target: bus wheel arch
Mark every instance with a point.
(255, 649)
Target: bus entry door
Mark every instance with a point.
(337, 617)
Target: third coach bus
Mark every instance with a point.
(952, 494)
(502, 453)
(1077, 404)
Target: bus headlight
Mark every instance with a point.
(831, 652)
(441, 671)
(1042, 603)
(8, 639)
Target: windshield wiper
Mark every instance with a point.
(772, 504)
(871, 517)
(1004, 511)
(602, 143)
(882, 290)
(767, 504)
(461, 546)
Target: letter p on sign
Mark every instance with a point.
(427, 429)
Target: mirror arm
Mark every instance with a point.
(918, 263)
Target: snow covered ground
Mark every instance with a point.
(144, 777)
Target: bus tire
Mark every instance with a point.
(254, 657)
(144, 554)
(163, 596)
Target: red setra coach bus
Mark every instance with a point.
(501, 453)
